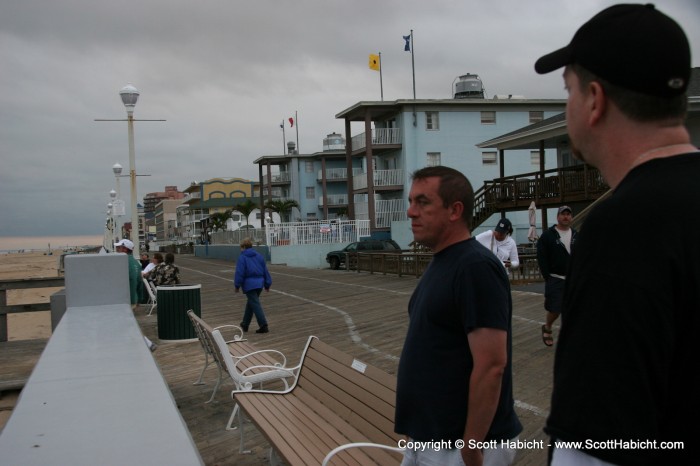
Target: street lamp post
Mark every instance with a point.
(112, 216)
(119, 211)
(130, 95)
(109, 225)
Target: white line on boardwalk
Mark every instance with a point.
(332, 282)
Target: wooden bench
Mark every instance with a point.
(335, 401)
(238, 348)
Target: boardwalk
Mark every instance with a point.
(361, 314)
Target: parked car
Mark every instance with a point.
(337, 258)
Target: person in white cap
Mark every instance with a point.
(125, 246)
(626, 379)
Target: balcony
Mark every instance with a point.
(380, 136)
(386, 211)
(282, 177)
(277, 193)
(334, 200)
(337, 174)
(381, 178)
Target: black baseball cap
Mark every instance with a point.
(503, 226)
(635, 47)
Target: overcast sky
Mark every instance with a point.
(224, 74)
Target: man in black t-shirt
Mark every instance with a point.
(626, 382)
(454, 392)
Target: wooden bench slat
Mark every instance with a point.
(305, 431)
(371, 417)
(332, 404)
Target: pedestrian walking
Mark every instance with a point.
(252, 276)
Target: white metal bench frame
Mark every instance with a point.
(152, 296)
(210, 349)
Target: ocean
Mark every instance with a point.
(11, 244)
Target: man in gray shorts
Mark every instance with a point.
(553, 253)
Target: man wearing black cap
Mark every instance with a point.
(500, 242)
(625, 372)
(553, 255)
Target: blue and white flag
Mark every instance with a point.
(407, 47)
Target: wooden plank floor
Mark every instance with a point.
(361, 314)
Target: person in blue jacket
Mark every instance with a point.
(252, 275)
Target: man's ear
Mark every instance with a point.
(596, 102)
(456, 211)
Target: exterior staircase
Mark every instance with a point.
(580, 184)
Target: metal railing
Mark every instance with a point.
(379, 178)
(334, 199)
(379, 136)
(321, 232)
(386, 211)
(282, 177)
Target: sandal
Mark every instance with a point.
(547, 338)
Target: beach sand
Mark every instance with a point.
(29, 325)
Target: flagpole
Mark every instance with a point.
(413, 66)
(296, 122)
(284, 140)
(381, 85)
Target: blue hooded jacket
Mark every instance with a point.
(251, 271)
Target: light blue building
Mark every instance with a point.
(369, 178)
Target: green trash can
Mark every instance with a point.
(173, 303)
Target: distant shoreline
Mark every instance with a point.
(44, 244)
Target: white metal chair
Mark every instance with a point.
(210, 350)
(245, 377)
(152, 300)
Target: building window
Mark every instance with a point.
(310, 192)
(536, 116)
(432, 121)
(488, 118)
(433, 159)
(309, 166)
(311, 216)
(535, 157)
(489, 158)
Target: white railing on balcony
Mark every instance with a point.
(278, 177)
(379, 136)
(276, 193)
(385, 211)
(334, 174)
(334, 199)
(321, 232)
(337, 174)
(381, 178)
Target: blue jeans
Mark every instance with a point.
(253, 307)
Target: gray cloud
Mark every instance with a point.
(224, 74)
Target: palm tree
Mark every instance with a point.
(282, 207)
(342, 212)
(218, 219)
(246, 208)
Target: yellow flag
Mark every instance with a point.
(373, 62)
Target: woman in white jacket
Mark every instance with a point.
(500, 242)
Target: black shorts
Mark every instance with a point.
(554, 294)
